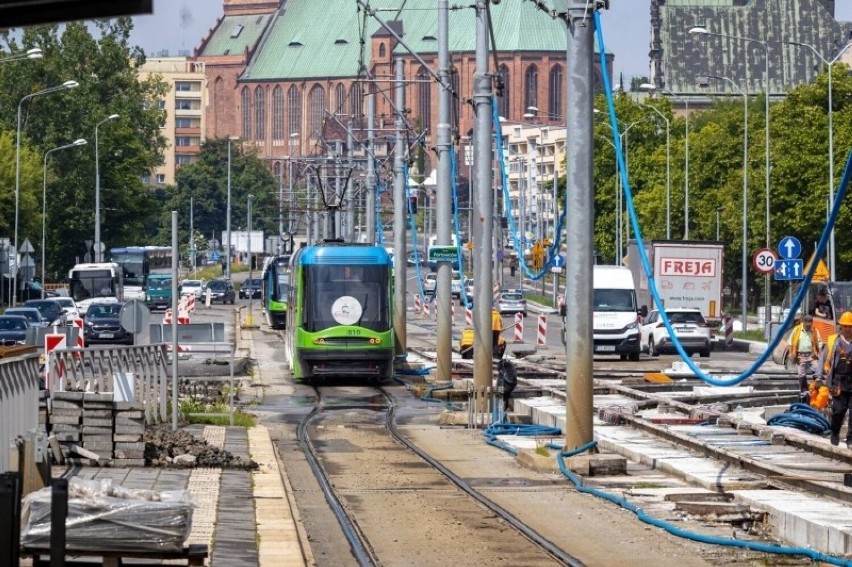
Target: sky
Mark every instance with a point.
(180, 25)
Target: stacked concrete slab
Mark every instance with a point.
(113, 431)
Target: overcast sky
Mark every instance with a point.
(180, 25)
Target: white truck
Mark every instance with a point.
(687, 274)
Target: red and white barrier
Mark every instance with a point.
(417, 303)
(468, 317)
(426, 309)
(81, 341)
(519, 328)
(180, 348)
(452, 311)
(167, 317)
(729, 331)
(541, 336)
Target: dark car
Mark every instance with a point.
(102, 324)
(33, 315)
(250, 288)
(50, 309)
(221, 290)
(13, 330)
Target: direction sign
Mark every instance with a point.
(559, 261)
(789, 270)
(443, 253)
(789, 247)
(764, 260)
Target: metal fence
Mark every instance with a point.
(141, 369)
(19, 391)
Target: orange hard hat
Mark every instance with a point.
(845, 319)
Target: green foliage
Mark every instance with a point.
(105, 66)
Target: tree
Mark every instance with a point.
(106, 69)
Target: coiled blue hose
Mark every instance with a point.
(804, 417)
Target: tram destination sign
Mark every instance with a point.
(443, 253)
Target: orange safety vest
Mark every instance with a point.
(795, 337)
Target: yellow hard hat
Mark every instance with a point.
(845, 319)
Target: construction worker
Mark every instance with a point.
(836, 365)
(805, 346)
(499, 344)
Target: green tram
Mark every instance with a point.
(340, 321)
(275, 289)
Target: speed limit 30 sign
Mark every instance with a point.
(764, 260)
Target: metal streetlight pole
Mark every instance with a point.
(228, 214)
(650, 87)
(34, 53)
(668, 173)
(250, 320)
(743, 290)
(98, 246)
(74, 144)
(764, 44)
(832, 260)
(63, 86)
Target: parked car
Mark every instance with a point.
(468, 290)
(33, 315)
(69, 306)
(689, 326)
(251, 288)
(511, 302)
(13, 330)
(222, 290)
(430, 283)
(50, 309)
(103, 325)
(456, 285)
(192, 287)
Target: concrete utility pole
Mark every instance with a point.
(350, 186)
(579, 203)
(482, 250)
(175, 256)
(280, 208)
(370, 182)
(399, 209)
(443, 197)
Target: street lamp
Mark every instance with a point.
(228, 213)
(704, 82)
(250, 260)
(704, 32)
(63, 86)
(74, 144)
(829, 64)
(98, 245)
(668, 173)
(650, 87)
(34, 53)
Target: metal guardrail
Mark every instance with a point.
(101, 369)
(189, 333)
(19, 391)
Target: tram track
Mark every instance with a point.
(359, 526)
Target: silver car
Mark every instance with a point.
(689, 326)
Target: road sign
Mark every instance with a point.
(53, 341)
(789, 248)
(215, 256)
(764, 260)
(135, 316)
(559, 261)
(789, 270)
(27, 247)
(27, 262)
(443, 253)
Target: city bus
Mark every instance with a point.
(137, 263)
(95, 282)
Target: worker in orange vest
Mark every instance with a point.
(836, 366)
(805, 346)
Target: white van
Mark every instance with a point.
(615, 319)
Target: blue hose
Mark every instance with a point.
(804, 417)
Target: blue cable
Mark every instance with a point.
(652, 285)
(803, 417)
(513, 229)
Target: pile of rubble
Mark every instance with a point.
(165, 448)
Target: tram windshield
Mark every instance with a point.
(347, 295)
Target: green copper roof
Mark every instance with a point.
(319, 39)
(235, 33)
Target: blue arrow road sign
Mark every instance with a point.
(559, 261)
(789, 248)
(788, 270)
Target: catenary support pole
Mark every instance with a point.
(399, 212)
(579, 204)
(175, 397)
(483, 229)
(370, 180)
(350, 185)
(443, 197)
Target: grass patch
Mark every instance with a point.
(189, 407)
(540, 299)
(750, 335)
